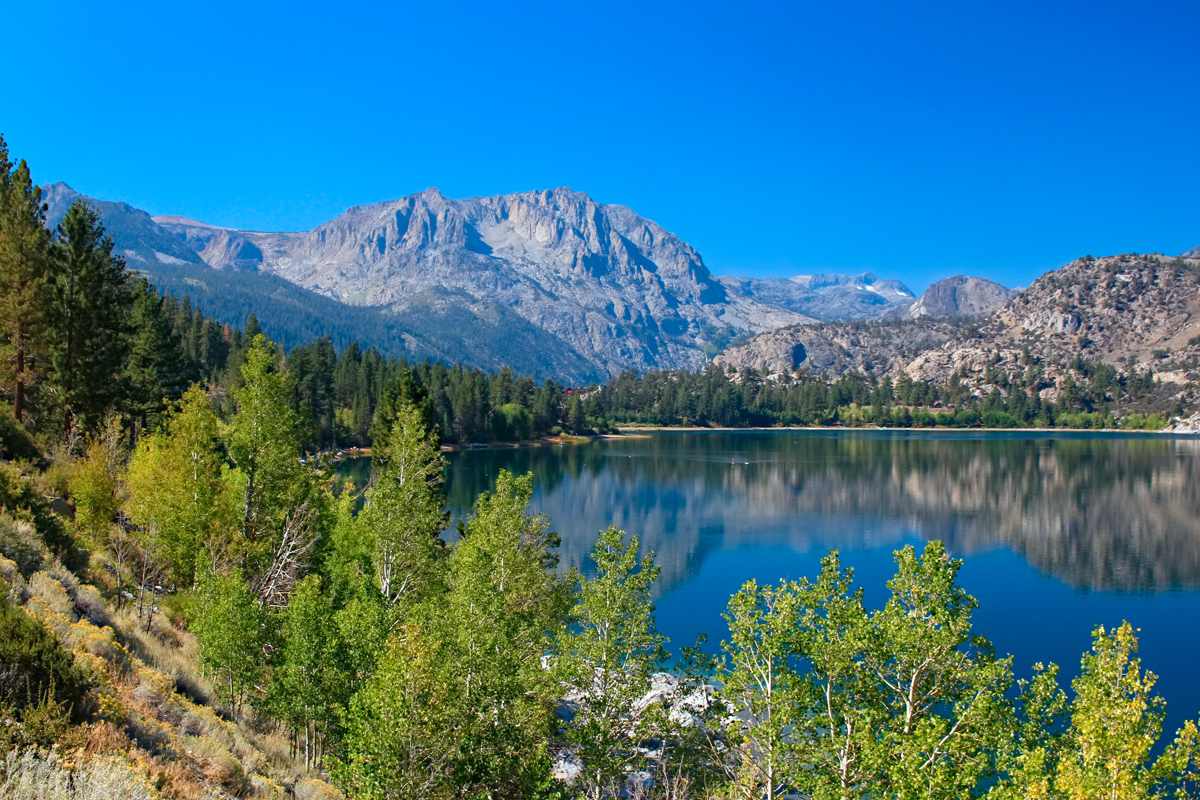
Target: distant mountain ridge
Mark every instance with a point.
(1140, 314)
(587, 289)
(826, 298)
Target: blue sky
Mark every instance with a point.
(918, 140)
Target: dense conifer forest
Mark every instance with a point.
(191, 607)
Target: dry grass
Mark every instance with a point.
(152, 721)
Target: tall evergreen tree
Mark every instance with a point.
(155, 368)
(87, 316)
(24, 253)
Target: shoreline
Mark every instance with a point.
(545, 441)
(632, 429)
(626, 432)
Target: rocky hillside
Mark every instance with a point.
(960, 296)
(1135, 311)
(292, 315)
(1193, 253)
(827, 297)
(618, 289)
(833, 348)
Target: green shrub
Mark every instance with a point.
(513, 422)
(20, 498)
(34, 667)
(20, 544)
(966, 419)
(998, 419)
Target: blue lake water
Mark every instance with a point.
(1059, 531)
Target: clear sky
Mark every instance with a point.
(918, 140)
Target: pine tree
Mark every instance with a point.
(155, 368)
(24, 256)
(87, 313)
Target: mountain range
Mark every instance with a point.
(559, 286)
(551, 283)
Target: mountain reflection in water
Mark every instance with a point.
(1094, 511)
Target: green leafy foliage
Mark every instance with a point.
(20, 498)
(229, 624)
(175, 488)
(310, 682)
(403, 516)
(607, 658)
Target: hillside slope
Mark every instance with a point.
(834, 348)
(1137, 312)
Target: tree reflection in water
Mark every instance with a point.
(1094, 511)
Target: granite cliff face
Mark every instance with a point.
(960, 296)
(618, 289)
(137, 238)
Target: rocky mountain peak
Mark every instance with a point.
(960, 296)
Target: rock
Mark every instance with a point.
(960, 296)
(1124, 310)
(137, 238)
(1185, 425)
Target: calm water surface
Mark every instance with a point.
(1059, 531)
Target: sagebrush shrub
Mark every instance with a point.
(38, 775)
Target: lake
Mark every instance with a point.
(1059, 531)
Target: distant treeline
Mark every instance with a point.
(750, 398)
